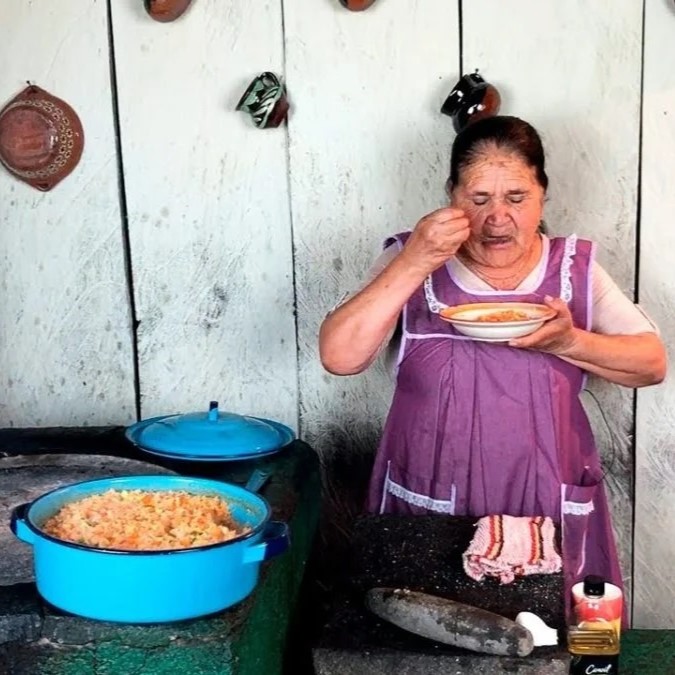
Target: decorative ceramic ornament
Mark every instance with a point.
(265, 101)
(166, 10)
(41, 138)
(356, 5)
(471, 99)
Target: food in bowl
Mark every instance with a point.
(144, 520)
(503, 316)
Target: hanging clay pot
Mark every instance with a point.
(265, 101)
(356, 5)
(41, 138)
(166, 10)
(471, 99)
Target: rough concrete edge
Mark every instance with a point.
(382, 660)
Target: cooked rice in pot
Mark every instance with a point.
(144, 520)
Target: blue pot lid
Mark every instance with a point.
(211, 435)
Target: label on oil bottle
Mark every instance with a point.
(594, 665)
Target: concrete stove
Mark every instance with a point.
(249, 639)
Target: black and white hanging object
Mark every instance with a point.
(265, 101)
(471, 99)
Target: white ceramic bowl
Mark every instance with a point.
(470, 320)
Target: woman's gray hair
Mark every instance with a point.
(502, 131)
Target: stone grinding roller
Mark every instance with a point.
(449, 622)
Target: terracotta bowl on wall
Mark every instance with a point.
(41, 138)
(166, 10)
(356, 5)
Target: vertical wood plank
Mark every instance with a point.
(655, 457)
(369, 153)
(65, 335)
(208, 210)
(572, 69)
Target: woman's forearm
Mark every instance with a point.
(628, 360)
(631, 380)
(351, 336)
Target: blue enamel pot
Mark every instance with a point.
(150, 586)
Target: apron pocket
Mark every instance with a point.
(577, 505)
(576, 508)
(406, 493)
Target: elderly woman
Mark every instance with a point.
(481, 428)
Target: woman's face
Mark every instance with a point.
(504, 201)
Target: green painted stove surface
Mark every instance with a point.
(246, 640)
(647, 652)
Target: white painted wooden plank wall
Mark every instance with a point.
(368, 157)
(655, 452)
(65, 332)
(572, 69)
(208, 210)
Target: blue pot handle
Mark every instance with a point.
(275, 541)
(19, 526)
(257, 479)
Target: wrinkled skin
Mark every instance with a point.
(500, 195)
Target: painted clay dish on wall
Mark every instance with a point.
(166, 10)
(41, 138)
(356, 5)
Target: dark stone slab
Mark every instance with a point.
(423, 553)
(247, 639)
(20, 614)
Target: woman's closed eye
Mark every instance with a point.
(513, 199)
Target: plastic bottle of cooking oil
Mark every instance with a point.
(594, 640)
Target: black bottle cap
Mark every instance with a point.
(594, 587)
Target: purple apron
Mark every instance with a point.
(479, 429)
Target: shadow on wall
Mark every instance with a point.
(346, 468)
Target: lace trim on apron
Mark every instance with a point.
(417, 499)
(577, 508)
(432, 301)
(566, 292)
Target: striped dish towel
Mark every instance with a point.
(507, 547)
